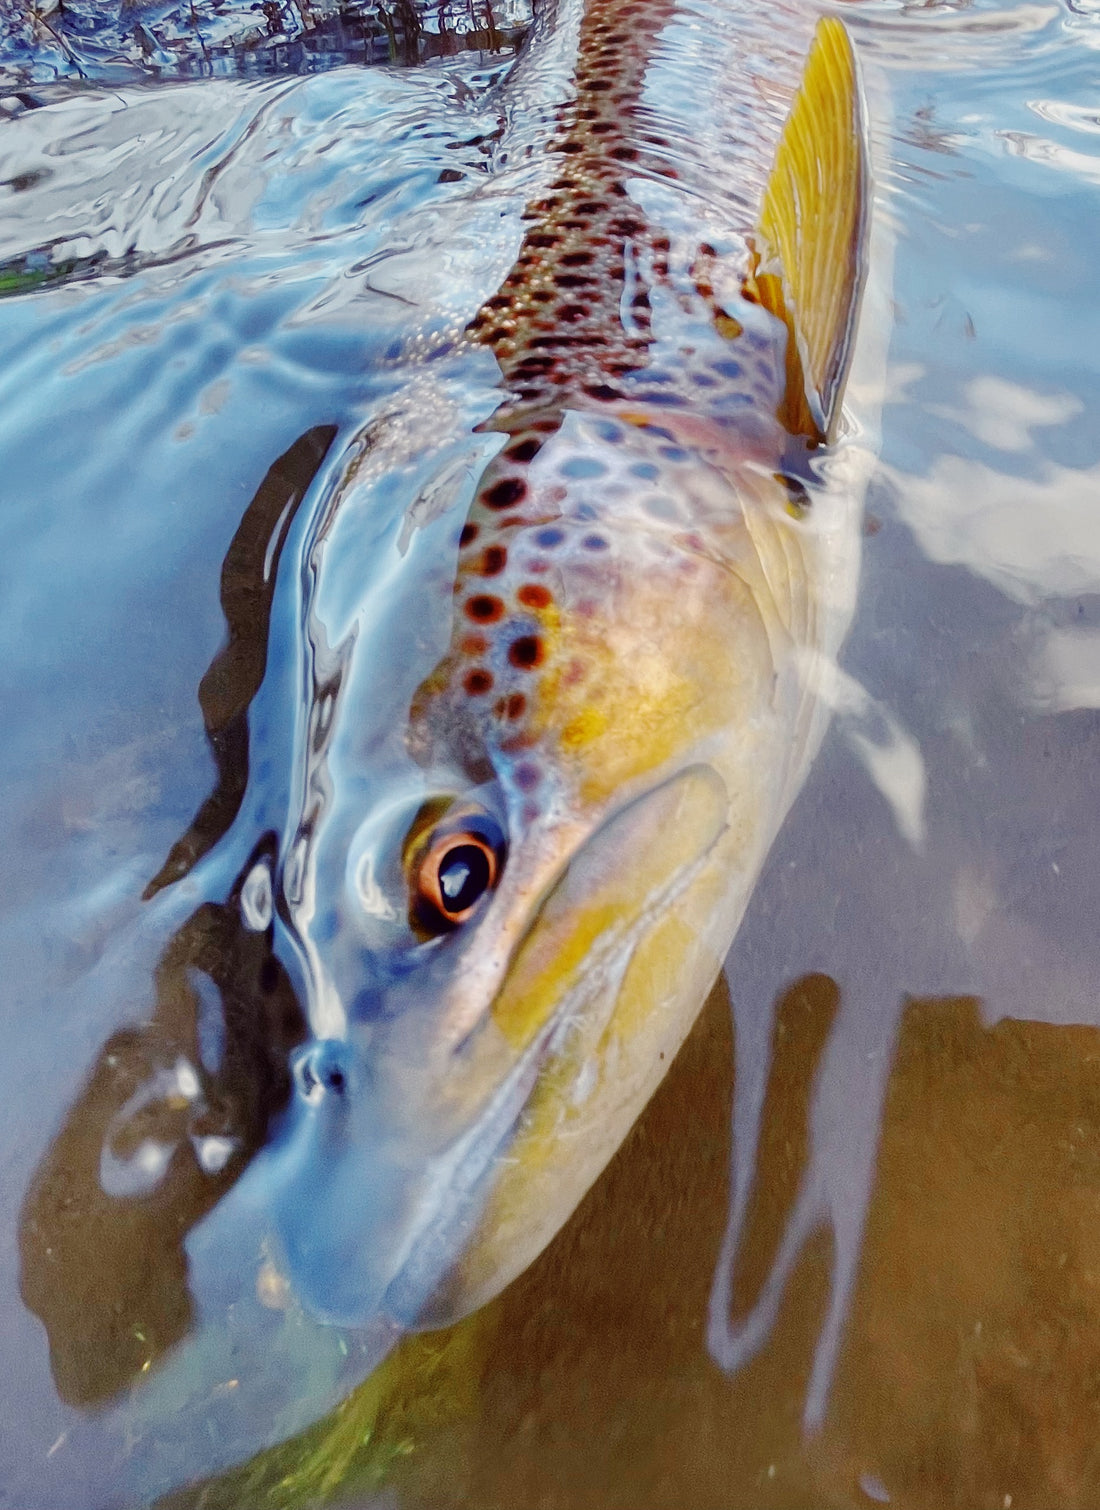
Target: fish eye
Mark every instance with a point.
(451, 869)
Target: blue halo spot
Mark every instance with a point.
(661, 507)
(660, 397)
(582, 466)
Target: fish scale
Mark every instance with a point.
(594, 318)
(630, 694)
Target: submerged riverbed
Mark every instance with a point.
(850, 1255)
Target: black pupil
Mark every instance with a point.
(463, 876)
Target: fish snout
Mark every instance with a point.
(323, 1070)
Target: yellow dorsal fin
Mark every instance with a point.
(810, 233)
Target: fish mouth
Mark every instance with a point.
(459, 1184)
(609, 897)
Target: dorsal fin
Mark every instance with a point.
(809, 252)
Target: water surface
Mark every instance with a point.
(883, 1287)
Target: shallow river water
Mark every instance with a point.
(850, 1254)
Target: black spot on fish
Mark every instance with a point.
(504, 493)
(484, 609)
(526, 652)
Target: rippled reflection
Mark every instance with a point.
(171, 1116)
(174, 1110)
(246, 38)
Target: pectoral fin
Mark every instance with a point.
(809, 245)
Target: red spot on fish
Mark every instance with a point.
(534, 595)
(523, 739)
(474, 644)
(512, 706)
(468, 535)
(478, 681)
(494, 558)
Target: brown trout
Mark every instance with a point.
(654, 576)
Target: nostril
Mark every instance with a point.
(322, 1069)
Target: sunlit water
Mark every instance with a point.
(900, 1301)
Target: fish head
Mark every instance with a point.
(544, 893)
